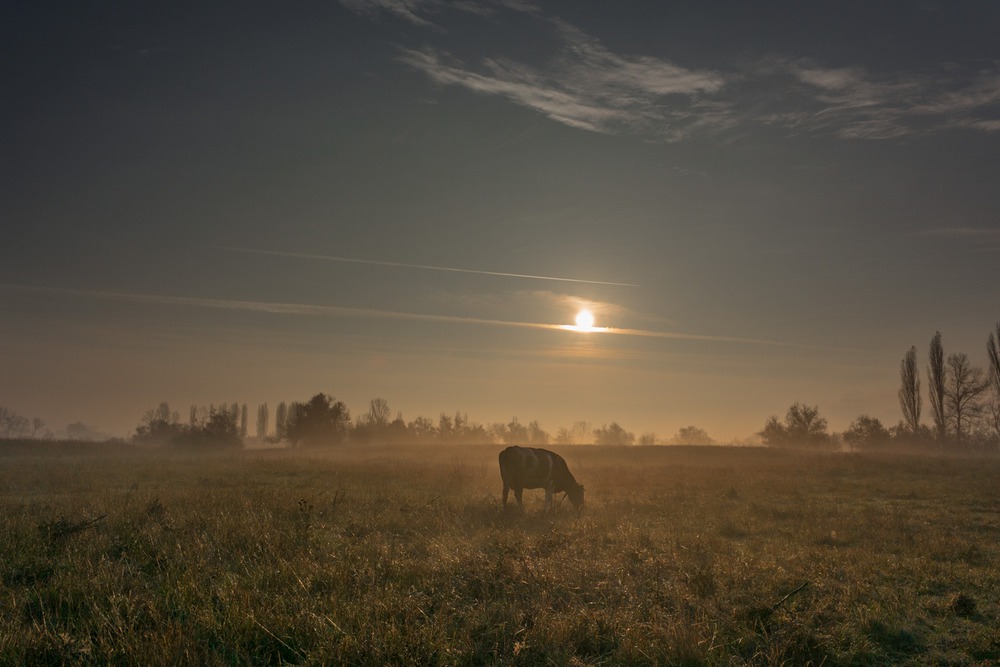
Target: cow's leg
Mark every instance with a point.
(548, 499)
(517, 495)
(506, 492)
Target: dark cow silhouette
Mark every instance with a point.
(532, 468)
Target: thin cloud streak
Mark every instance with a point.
(302, 309)
(962, 232)
(674, 335)
(376, 262)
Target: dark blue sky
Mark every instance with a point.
(797, 192)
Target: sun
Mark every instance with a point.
(584, 320)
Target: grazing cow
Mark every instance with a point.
(532, 468)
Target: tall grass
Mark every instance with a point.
(404, 556)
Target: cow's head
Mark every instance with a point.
(575, 494)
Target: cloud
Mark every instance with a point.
(409, 10)
(963, 233)
(352, 260)
(587, 86)
(421, 12)
(854, 103)
(302, 309)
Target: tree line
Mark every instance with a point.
(964, 402)
(323, 421)
(964, 407)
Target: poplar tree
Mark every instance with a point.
(263, 417)
(909, 390)
(936, 387)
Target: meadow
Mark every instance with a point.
(398, 556)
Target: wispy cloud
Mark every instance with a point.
(450, 269)
(413, 11)
(424, 12)
(302, 309)
(855, 103)
(586, 85)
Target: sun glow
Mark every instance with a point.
(584, 320)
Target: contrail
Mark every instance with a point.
(352, 260)
(305, 309)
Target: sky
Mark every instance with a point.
(761, 203)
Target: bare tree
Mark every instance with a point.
(964, 395)
(936, 387)
(263, 417)
(909, 390)
(13, 425)
(379, 412)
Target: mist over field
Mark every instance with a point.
(404, 555)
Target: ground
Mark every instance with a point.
(382, 555)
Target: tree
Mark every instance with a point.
(263, 417)
(445, 428)
(964, 395)
(580, 434)
(993, 351)
(158, 426)
(13, 425)
(243, 420)
(217, 430)
(774, 432)
(647, 439)
(692, 435)
(537, 437)
(866, 432)
(374, 425)
(421, 430)
(322, 420)
(909, 390)
(379, 412)
(513, 433)
(36, 426)
(613, 434)
(936, 387)
(803, 427)
(280, 420)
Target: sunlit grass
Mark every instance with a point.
(684, 556)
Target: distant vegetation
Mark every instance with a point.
(964, 405)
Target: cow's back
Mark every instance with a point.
(527, 467)
(513, 465)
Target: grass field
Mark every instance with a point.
(686, 556)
